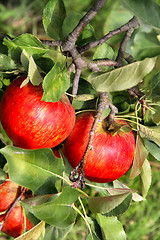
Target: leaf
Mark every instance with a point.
(6, 63)
(121, 208)
(122, 78)
(57, 233)
(151, 133)
(55, 83)
(26, 41)
(146, 177)
(148, 11)
(153, 148)
(59, 211)
(32, 168)
(53, 16)
(33, 72)
(106, 203)
(111, 228)
(95, 233)
(36, 233)
(144, 43)
(141, 154)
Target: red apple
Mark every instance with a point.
(14, 225)
(32, 123)
(112, 155)
(8, 193)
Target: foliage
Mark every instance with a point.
(56, 209)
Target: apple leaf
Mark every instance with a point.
(36, 233)
(55, 83)
(105, 204)
(153, 148)
(151, 133)
(141, 154)
(111, 228)
(122, 78)
(121, 208)
(6, 63)
(95, 230)
(26, 41)
(32, 168)
(143, 43)
(58, 211)
(57, 233)
(33, 72)
(148, 11)
(53, 16)
(146, 177)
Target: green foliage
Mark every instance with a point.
(99, 210)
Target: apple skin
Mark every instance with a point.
(8, 193)
(112, 155)
(32, 123)
(14, 225)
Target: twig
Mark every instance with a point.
(104, 103)
(133, 23)
(12, 207)
(70, 41)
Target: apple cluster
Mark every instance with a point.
(32, 123)
(15, 222)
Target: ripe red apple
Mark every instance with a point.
(32, 123)
(14, 225)
(112, 155)
(8, 193)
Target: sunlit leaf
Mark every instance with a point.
(111, 228)
(33, 72)
(122, 78)
(55, 83)
(141, 154)
(6, 63)
(26, 41)
(106, 203)
(153, 148)
(146, 177)
(36, 233)
(58, 211)
(53, 16)
(150, 133)
(148, 11)
(32, 168)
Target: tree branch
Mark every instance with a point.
(70, 41)
(133, 23)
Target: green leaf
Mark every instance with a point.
(58, 211)
(95, 233)
(145, 45)
(36, 233)
(106, 203)
(153, 148)
(32, 168)
(57, 233)
(141, 154)
(121, 208)
(53, 16)
(33, 72)
(146, 177)
(55, 83)
(150, 133)
(26, 41)
(6, 63)
(122, 78)
(148, 11)
(111, 228)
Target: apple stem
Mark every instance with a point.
(12, 207)
(104, 103)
